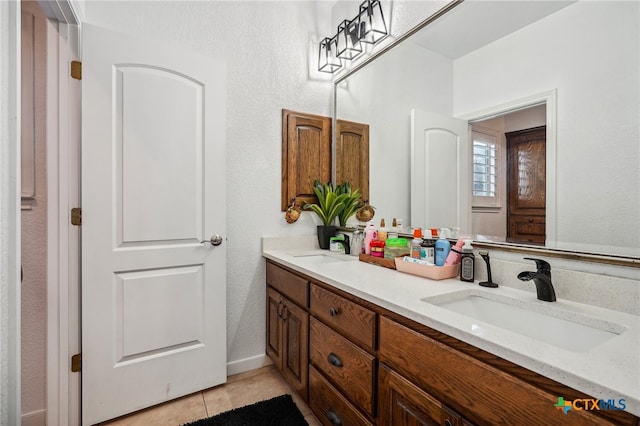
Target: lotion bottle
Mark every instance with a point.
(382, 231)
(454, 255)
(443, 246)
(369, 235)
(416, 244)
(393, 232)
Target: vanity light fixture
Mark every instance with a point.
(328, 60)
(371, 22)
(349, 46)
(368, 26)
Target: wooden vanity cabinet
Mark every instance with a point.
(341, 354)
(402, 403)
(356, 363)
(480, 392)
(288, 326)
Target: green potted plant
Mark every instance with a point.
(351, 203)
(330, 205)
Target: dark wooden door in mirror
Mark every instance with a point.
(526, 185)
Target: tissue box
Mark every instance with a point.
(426, 271)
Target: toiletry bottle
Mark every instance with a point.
(467, 263)
(428, 249)
(443, 246)
(416, 244)
(369, 235)
(382, 231)
(400, 228)
(454, 255)
(393, 232)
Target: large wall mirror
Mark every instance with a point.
(570, 68)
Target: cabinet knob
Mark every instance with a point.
(280, 307)
(285, 313)
(447, 422)
(334, 312)
(334, 360)
(334, 418)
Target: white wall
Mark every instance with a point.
(383, 98)
(599, 136)
(267, 48)
(34, 244)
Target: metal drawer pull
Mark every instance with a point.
(334, 418)
(334, 312)
(334, 360)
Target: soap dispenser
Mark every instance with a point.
(467, 262)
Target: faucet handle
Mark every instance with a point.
(542, 265)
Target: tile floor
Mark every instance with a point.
(240, 390)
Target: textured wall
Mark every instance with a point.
(34, 246)
(267, 48)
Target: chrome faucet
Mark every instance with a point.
(542, 279)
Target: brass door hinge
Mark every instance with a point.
(76, 70)
(76, 216)
(76, 363)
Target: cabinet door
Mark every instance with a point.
(295, 345)
(275, 305)
(352, 155)
(401, 403)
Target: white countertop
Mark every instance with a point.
(608, 371)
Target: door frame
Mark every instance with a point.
(63, 239)
(63, 189)
(10, 192)
(549, 98)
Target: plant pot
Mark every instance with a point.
(325, 232)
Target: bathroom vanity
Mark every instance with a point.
(366, 345)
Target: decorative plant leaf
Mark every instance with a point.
(351, 203)
(330, 202)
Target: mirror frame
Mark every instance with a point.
(611, 259)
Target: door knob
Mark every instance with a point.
(215, 240)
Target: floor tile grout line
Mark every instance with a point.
(204, 402)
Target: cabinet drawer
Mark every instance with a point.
(291, 285)
(346, 365)
(329, 406)
(477, 390)
(354, 321)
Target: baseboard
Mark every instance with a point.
(247, 364)
(35, 418)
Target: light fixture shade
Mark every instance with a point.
(349, 46)
(328, 60)
(371, 25)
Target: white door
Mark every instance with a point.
(153, 188)
(440, 171)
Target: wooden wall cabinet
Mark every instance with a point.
(352, 155)
(306, 155)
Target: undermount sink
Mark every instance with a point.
(322, 258)
(546, 323)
